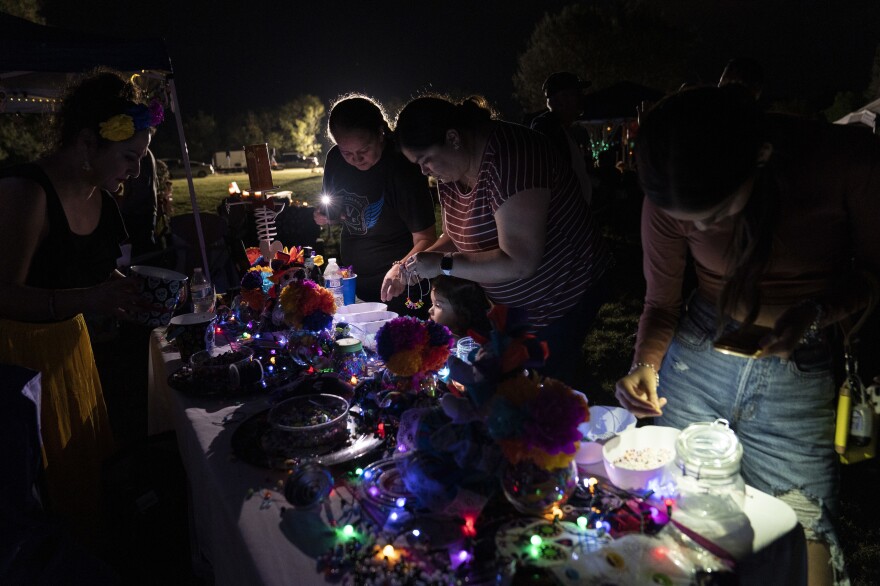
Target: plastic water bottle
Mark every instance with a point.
(333, 281)
(201, 291)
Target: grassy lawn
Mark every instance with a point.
(304, 184)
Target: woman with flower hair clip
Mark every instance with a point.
(61, 232)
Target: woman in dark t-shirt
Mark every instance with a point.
(380, 198)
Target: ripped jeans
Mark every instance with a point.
(781, 410)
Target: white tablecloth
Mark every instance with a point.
(249, 541)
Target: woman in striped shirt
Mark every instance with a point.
(514, 220)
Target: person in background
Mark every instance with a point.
(61, 231)
(460, 305)
(138, 203)
(515, 220)
(779, 215)
(565, 103)
(381, 200)
(165, 204)
(746, 72)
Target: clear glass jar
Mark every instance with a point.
(709, 457)
(349, 358)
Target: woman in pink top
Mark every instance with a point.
(779, 216)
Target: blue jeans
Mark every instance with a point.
(781, 410)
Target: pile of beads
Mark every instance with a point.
(644, 458)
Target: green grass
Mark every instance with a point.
(304, 184)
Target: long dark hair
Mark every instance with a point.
(92, 99)
(468, 301)
(424, 121)
(695, 149)
(357, 112)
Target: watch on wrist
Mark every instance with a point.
(446, 264)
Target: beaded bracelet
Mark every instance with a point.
(405, 274)
(639, 365)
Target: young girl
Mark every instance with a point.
(460, 305)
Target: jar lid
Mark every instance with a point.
(349, 345)
(708, 449)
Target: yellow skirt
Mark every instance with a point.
(73, 417)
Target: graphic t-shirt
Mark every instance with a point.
(379, 210)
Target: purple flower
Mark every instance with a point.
(554, 418)
(400, 333)
(439, 335)
(146, 116)
(317, 321)
(157, 113)
(252, 280)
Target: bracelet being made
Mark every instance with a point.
(653, 368)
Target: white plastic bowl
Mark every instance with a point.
(360, 318)
(648, 440)
(370, 327)
(360, 308)
(606, 422)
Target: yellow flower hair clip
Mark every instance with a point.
(117, 128)
(137, 117)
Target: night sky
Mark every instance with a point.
(234, 56)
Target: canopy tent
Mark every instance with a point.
(37, 61)
(866, 115)
(618, 102)
(610, 118)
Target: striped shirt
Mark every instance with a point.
(575, 255)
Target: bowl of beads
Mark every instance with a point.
(311, 420)
(641, 458)
(224, 368)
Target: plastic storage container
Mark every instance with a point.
(709, 456)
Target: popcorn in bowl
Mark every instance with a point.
(641, 458)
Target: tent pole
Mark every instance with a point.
(175, 107)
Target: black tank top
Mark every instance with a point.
(65, 260)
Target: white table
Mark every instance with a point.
(249, 541)
(245, 540)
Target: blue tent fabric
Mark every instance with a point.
(26, 46)
(36, 60)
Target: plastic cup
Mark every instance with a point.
(464, 347)
(192, 333)
(161, 288)
(348, 289)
